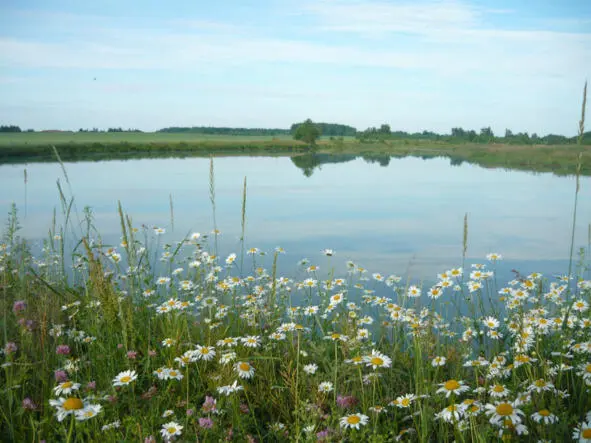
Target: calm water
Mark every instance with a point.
(402, 216)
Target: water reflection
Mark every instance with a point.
(391, 215)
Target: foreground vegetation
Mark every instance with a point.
(149, 341)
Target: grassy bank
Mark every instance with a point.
(153, 340)
(37, 147)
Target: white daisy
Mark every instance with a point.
(170, 430)
(124, 378)
(354, 421)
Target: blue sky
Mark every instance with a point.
(416, 65)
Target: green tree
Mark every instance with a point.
(307, 132)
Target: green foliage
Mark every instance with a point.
(330, 129)
(308, 132)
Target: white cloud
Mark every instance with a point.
(380, 17)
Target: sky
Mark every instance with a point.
(416, 65)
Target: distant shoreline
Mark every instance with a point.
(37, 147)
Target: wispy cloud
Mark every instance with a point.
(380, 17)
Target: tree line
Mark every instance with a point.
(310, 131)
(461, 135)
(213, 130)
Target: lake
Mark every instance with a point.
(394, 216)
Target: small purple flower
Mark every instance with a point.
(346, 401)
(150, 439)
(322, 435)
(63, 350)
(29, 405)
(190, 412)
(206, 422)
(91, 386)
(19, 306)
(60, 376)
(120, 346)
(244, 408)
(30, 325)
(209, 405)
(131, 355)
(10, 347)
(152, 353)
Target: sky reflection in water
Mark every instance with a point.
(403, 217)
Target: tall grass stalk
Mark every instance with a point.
(243, 225)
(212, 200)
(575, 206)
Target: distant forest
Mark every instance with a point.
(381, 133)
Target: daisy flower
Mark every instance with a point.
(174, 374)
(404, 401)
(311, 368)
(544, 416)
(438, 361)
(124, 378)
(452, 387)
(168, 342)
(377, 360)
(498, 391)
(244, 369)
(206, 353)
(413, 291)
(170, 430)
(66, 406)
(582, 432)
(540, 385)
(325, 387)
(451, 413)
(251, 341)
(354, 421)
(491, 322)
(503, 411)
(230, 389)
(66, 388)
(88, 412)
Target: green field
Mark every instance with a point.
(73, 146)
(36, 138)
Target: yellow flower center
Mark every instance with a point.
(498, 388)
(544, 412)
(72, 404)
(204, 351)
(451, 385)
(353, 419)
(66, 385)
(540, 383)
(405, 402)
(244, 366)
(171, 429)
(504, 409)
(125, 379)
(586, 433)
(173, 373)
(588, 368)
(377, 361)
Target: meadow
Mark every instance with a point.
(156, 340)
